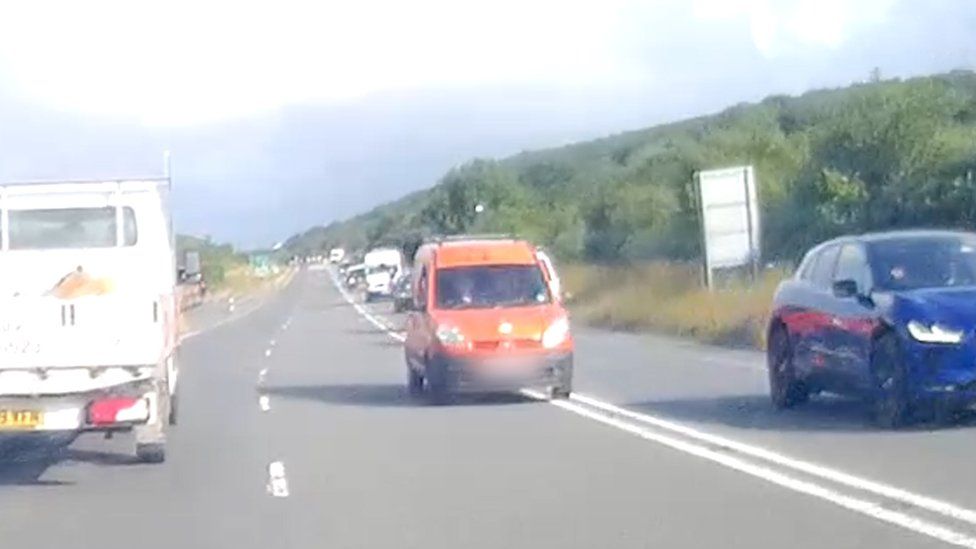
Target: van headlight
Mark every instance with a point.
(934, 333)
(556, 333)
(450, 335)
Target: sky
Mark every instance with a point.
(285, 114)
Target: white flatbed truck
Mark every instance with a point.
(88, 310)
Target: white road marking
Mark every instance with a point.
(189, 335)
(272, 343)
(370, 317)
(277, 481)
(267, 352)
(609, 414)
(264, 402)
(262, 375)
(931, 504)
(871, 509)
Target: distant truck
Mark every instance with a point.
(88, 318)
(192, 288)
(383, 267)
(336, 255)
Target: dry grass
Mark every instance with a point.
(669, 298)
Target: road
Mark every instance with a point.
(668, 444)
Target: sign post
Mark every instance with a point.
(729, 220)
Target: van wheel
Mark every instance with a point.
(415, 382)
(151, 452)
(560, 392)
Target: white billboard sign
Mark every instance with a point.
(730, 217)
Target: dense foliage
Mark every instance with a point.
(871, 156)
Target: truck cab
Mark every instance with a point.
(88, 310)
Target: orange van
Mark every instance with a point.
(486, 317)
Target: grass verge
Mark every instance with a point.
(668, 298)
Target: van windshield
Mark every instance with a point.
(489, 286)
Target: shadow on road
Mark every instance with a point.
(821, 413)
(25, 458)
(393, 396)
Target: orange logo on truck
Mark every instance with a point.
(78, 283)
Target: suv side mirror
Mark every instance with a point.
(845, 288)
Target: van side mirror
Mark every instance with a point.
(845, 288)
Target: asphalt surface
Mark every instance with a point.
(363, 465)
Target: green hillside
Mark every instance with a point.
(870, 156)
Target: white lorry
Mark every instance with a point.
(383, 266)
(88, 310)
(336, 255)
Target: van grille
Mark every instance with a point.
(505, 344)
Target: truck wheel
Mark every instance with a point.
(173, 407)
(151, 452)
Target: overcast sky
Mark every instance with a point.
(285, 114)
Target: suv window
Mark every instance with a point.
(852, 264)
(823, 269)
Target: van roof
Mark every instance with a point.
(468, 253)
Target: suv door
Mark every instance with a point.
(812, 350)
(852, 318)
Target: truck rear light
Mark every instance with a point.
(118, 410)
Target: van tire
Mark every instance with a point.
(415, 383)
(151, 452)
(560, 392)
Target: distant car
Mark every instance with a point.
(379, 282)
(355, 276)
(402, 293)
(889, 317)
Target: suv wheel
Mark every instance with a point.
(784, 389)
(889, 403)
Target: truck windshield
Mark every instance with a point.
(45, 229)
(490, 286)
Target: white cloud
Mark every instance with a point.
(785, 27)
(190, 61)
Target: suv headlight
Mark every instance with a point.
(934, 333)
(556, 333)
(450, 335)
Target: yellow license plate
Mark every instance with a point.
(20, 419)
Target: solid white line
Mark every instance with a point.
(366, 314)
(277, 481)
(904, 496)
(264, 402)
(868, 508)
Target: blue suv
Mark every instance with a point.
(888, 317)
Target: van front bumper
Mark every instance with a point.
(504, 373)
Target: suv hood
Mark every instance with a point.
(952, 306)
